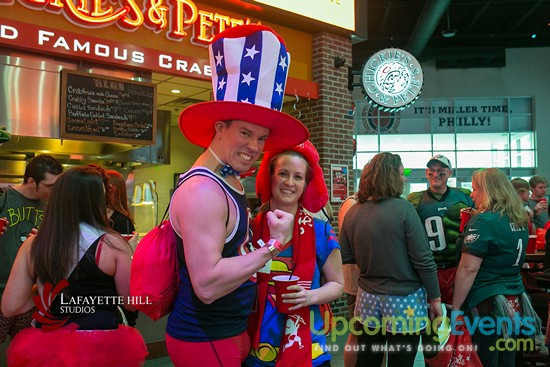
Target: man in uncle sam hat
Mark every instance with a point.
(209, 210)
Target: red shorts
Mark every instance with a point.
(217, 353)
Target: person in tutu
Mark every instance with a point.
(292, 180)
(79, 271)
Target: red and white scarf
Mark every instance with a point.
(295, 347)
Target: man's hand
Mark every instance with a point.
(280, 225)
(541, 206)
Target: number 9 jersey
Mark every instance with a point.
(441, 220)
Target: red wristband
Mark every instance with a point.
(276, 244)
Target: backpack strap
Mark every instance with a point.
(98, 250)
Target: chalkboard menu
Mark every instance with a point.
(96, 107)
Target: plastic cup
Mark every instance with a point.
(127, 237)
(2, 224)
(465, 216)
(282, 282)
(532, 244)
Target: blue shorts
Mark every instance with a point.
(400, 314)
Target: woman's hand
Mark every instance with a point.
(436, 309)
(133, 242)
(300, 296)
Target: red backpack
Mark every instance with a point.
(154, 278)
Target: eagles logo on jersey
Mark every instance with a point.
(471, 238)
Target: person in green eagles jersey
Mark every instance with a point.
(439, 210)
(488, 283)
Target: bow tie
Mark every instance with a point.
(228, 170)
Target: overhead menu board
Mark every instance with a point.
(97, 107)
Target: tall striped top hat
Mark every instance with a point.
(249, 71)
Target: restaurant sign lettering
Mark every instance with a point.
(54, 41)
(173, 16)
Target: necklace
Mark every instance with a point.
(226, 168)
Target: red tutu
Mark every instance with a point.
(67, 347)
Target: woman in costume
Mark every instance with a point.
(81, 269)
(292, 180)
(383, 235)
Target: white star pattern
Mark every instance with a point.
(279, 88)
(247, 78)
(250, 52)
(218, 58)
(283, 63)
(377, 306)
(221, 84)
(245, 100)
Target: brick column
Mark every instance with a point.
(328, 119)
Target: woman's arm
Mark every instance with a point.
(116, 260)
(17, 298)
(331, 290)
(465, 276)
(351, 271)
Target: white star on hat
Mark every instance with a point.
(247, 78)
(250, 52)
(221, 84)
(279, 88)
(283, 63)
(219, 58)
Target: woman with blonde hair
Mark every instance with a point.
(488, 283)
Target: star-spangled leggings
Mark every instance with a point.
(217, 353)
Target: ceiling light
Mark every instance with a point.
(448, 32)
(175, 91)
(534, 35)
